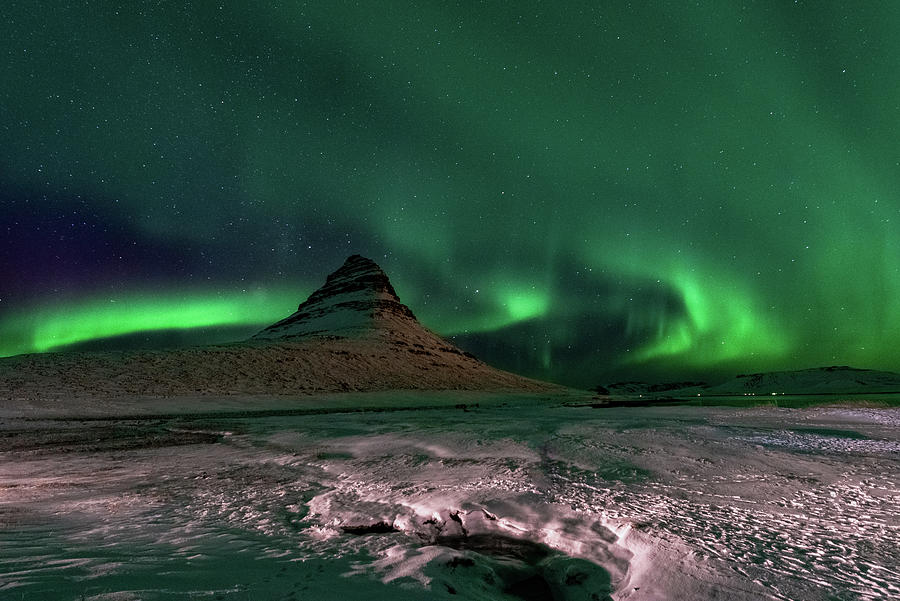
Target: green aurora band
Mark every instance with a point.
(716, 183)
(52, 327)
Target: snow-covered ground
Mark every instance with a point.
(517, 498)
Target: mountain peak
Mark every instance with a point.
(355, 300)
(357, 274)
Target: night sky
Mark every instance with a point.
(583, 191)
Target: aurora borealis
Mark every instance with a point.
(583, 193)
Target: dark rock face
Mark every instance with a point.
(363, 529)
(354, 298)
(357, 274)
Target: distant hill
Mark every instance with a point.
(352, 334)
(818, 380)
(638, 388)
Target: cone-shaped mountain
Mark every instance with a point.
(355, 300)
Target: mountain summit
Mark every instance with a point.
(357, 299)
(355, 329)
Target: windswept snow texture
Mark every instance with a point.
(522, 500)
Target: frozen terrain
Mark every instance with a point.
(507, 497)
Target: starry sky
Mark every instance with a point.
(609, 190)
